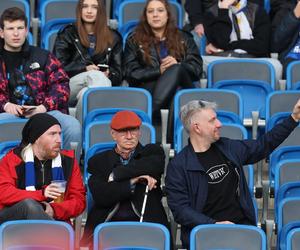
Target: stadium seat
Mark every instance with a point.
(36, 234)
(293, 76)
(229, 104)
(51, 10)
(281, 101)
(221, 236)
(129, 10)
(254, 94)
(241, 69)
(50, 31)
(288, 212)
(131, 235)
(22, 4)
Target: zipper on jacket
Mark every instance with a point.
(238, 186)
(80, 53)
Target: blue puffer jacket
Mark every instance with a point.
(186, 181)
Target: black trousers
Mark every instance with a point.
(163, 90)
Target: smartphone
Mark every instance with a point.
(103, 67)
(28, 110)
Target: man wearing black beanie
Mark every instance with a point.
(28, 173)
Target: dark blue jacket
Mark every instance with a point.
(186, 181)
(285, 31)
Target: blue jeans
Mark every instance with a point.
(71, 128)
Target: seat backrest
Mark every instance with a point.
(283, 152)
(34, 233)
(293, 239)
(293, 75)
(288, 211)
(132, 10)
(22, 4)
(286, 171)
(226, 100)
(240, 69)
(254, 94)
(114, 235)
(11, 129)
(232, 131)
(281, 101)
(99, 132)
(294, 137)
(216, 236)
(117, 97)
(57, 9)
(50, 30)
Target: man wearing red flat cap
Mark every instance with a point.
(118, 177)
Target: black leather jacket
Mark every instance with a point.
(136, 70)
(75, 57)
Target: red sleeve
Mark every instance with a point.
(9, 193)
(74, 203)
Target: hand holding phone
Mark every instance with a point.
(27, 110)
(103, 67)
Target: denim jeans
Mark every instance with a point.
(27, 209)
(71, 128)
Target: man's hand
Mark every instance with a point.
(166, 63)
(48, 209)
(29, 111)
(151, 182)
(297, 10)
(296, 111)
(225, 4)
(52, 191)
(211, 49)
(91, 67)
(199, 29)
(13, 109)
(224, 222)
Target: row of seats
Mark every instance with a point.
(54, 235)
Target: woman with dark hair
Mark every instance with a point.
(159, 57)
(89, 50)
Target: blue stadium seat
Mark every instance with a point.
(293, 76)
(36, 234)
(50, 30)
(221, 236)
(241, 69)
(254, 94)
(129, 10)
(131, 235)
(22, 4)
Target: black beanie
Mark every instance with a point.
(37, 125)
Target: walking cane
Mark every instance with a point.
(144, 203)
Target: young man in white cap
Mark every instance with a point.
(119, 177)
(26, 172)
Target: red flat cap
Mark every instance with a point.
(124, 120)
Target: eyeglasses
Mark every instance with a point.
(132, 131)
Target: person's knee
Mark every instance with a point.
(31, 207)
